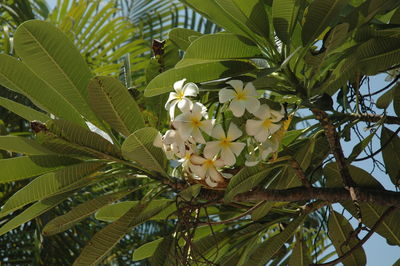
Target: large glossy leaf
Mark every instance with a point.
(23, 167)
(23, 110)
(50, 184)
(65, 135)
(389, 228)
(390, 154)
(197, 71)
(18, 77)
(396, 100)
(54, 58)
(180, 37)
(246, 179)
(285, 15)
(320, 15)
(220, 46)
(23, 145)
(34, 211)
(339, 232)
(112, 212)
(108, 237)
(266, 250)
(80, 212)
(112, 102)
(139, 147)
(147, 250)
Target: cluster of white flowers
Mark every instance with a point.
(206, 160)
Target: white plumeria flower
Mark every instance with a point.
(241, 98)
(189, 123)
(265, 127)
(179, 97)
(171, 143)
(225, 144)
(206, 168)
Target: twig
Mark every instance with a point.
(300, 173)
(366, 117)
(362, 241)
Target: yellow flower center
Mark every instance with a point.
(196, 122)
(241, 95)
(180, 95)
(267, 123)
(225, 142)
(209, 162)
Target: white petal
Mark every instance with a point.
(236, 84)
(212, 148)
(178, 85)
(276, 116)
(262, 135)
(219, 163)
(185, 117)
(226, 95)
(234, 132)
(250, 90)
(184, 105)
(158, 141)
(207, 125)
(198, 170)
(273, 128)
(237, 147)
(262, 112)
(218, 132)
(172, 96)
(170, 136)
(172, 109)
(228, 157)
(226, 175)
(198, 137)
(250, 163)
(190, 89)
(196, 159)
(210, 182)
(237, 108)
(253, 127)
(215, 175)
(184, 129)
(252, 104)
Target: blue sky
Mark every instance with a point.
(377, 250)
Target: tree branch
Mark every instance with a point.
(300, 173)
(362, 241)
(332, 195)
(368, 118)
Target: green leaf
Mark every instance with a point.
(385, 99)
(23, 167)
(284, 16)
(55, 59)
(139, 147)
(360, 147)
(23, 110)
(246, 179)
(300, 255)
(109, 236)
(112, 212)
(320, 15)
(263, 210)
(80, 212)
(72, 135)
(190, 192)
(266, 250)
(339, 232)
(18, 77)
(180, 37)
(50, 184)
(147, 250)
(197, 71)
(33, 211)
(23, 145)
(220, 46)
(390, 154)
(389, 228)
(113, 103)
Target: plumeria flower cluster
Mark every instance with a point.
(202, 148)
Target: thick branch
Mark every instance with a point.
(362, 241)
(376, 196)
